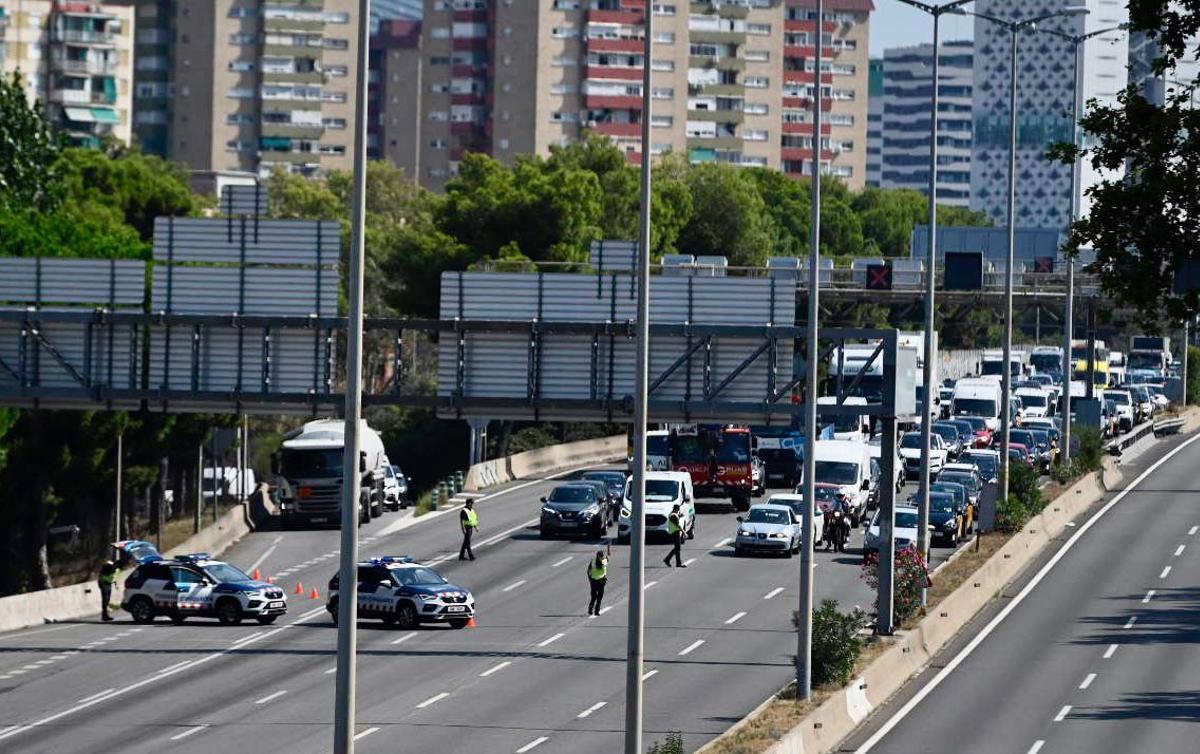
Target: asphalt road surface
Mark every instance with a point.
(1098, 656)
(536, 673)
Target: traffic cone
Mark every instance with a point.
(299, 588)
(257, 575)
(471, 622)
(315, 594)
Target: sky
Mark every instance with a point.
(894, 24)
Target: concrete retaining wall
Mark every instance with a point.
(544, 461)
(83, 600)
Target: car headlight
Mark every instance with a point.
(950, 525)
(626, 513)
(743, 533)
(549, 512)
(779, 535)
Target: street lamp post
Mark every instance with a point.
(936, 12)
(1014, 28)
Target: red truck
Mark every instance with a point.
(720, 461)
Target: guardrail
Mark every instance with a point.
(544, 461)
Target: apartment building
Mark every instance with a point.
(393, 93)
(76, 57)
(844, 84)
(247, 85)
(907, 74)
(875, 123)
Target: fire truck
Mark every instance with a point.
(720, 460)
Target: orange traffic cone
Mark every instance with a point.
(471, 622)
(299, 588)
(257, 575)
(315, 594)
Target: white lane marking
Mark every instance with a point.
(723, 542)
(1112, 650)
(433, 700)
(245, 639)
(1192, 531)
(17, 672)
(649, 674)
(513, 586)
(588, 712)
(266, 554)
(604, 610)
(404, 638)
(179, 668)
(94, 696)
(691, 647)
(1129, 623)
(551, 640)
(310, 614)
(495, 669)
(1179, 550)
(269, 697)
(189, 732)
(1149, 596)
(689, 561)
(735, 618)
(484, 543)
(987, 630)
(533, 744)
(772, 593)
(564, 560)
(366, 733)
(1062, 714)
(649, 584)
(1165, 572)
(334, 668)
(11, 727)
(1037, 746)
(1087, 681)
(43, 662)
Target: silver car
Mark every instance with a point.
(768, 528)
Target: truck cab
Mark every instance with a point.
(720, 461)
(308, 472)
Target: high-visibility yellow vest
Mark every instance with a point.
(673, 523)
(472, 518)
(598, 571)
(109, 578)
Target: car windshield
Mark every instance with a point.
(940, 501)
(974, 407)
(767, 516)
(977, 422)
(957, 477)
(911, 440)
(1121, 398)
(827, 494)
(688, 449)
(1034, 399)
(987, 464)
(948, 433)
(904, 520)
(837, 472)
(1046, 362)
(657, 445)
(734, 448)
(579, 494)
(420, 576)
(661, 490)
(224, 573)
(311, 463)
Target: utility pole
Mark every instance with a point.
(120, 482)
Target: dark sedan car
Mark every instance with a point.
(615, 480)
(576, 508)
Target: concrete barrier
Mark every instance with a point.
(83, 600)
(544, 461)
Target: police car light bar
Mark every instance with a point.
(193, 557)
(385, 559)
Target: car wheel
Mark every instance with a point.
(141, 609)
(229, 612)
(406, 615)
(459, 622)
(332, 607)
(266, 620)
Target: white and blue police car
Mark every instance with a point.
(195, 586)
(402, 592)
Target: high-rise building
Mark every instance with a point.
(404, 10)
(875, 123)
(907, 86)
(247, 85)
(77, 58)
(1045, 98)
(844, 88)
(1144, 50)
(394, 93)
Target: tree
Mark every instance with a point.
(729, 217)
(1143, 222)
(29, 151)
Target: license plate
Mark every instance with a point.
(318, 519)
(568, 524)
(271, 605)
(456, 608)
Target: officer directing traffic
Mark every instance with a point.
(108, 577)
(468, 519)
(675, 531)
(597, 578)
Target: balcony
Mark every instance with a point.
(612, 73)
(727, 63)
(602, 44)
(84, 36)
(733, 90)
(613, 102)
(100, 67)
(717, 116)
(626, 17)
(616, 129)
(714, 142)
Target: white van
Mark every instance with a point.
(856, 427)
(664, 490)
(980, 397)
(847, 464)
(1035, 401)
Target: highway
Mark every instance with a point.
(536, 673)
(1093, 651)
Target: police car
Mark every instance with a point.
(402, 592)
(195, 586)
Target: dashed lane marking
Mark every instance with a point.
(533, 744)
(513, 586)
(270, 697)
(189, 732)
(495, 668)
(404, 638)
(1112, 650)
(1062, 714)
(1087, 681)
(691, 647)
(735, 618)
(551, 640)
(594, 708)
(774, 592)
(365, 733)
(433, 700)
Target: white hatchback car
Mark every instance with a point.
(768, 528)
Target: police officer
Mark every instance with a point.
(468, 520)
(597, 578)
(675, 532)
(108, 577)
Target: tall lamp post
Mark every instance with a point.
(1014, 29)
(1069, 312)
(936, 12)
